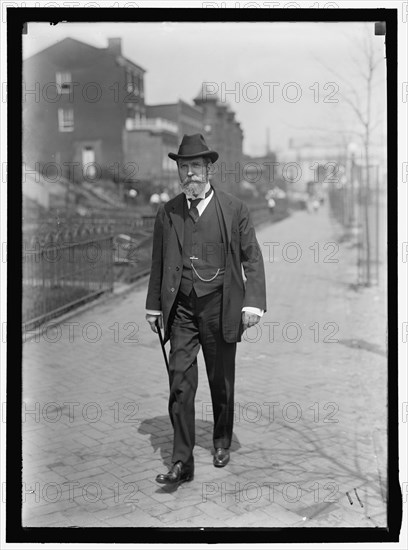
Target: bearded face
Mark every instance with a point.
(193, 174)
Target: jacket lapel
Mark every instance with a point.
(176, 215)
(227, 212)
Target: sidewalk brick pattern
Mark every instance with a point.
(309, 444)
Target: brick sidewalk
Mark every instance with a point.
(310, 431)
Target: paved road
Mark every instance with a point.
(310, 431)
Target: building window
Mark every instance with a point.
(133, 84)
(129, 81)
(88, 161)
(64, 82)
(130, 110)
(66, 120)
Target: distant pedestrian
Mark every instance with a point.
(271, 205)
(313, 204)
(164, 197)
(155, 201)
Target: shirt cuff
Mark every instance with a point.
(153, 312)
(254, 310)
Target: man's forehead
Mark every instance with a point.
(192, 159)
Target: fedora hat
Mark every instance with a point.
(194, 146)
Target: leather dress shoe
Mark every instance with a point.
(221, 457)
(177, 474)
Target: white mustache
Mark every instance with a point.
(194, 179)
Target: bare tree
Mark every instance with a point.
(359, 94)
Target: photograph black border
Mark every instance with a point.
(17, 21)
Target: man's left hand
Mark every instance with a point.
(249, 319)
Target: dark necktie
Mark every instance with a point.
(193, 212)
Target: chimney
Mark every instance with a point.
(115, 46)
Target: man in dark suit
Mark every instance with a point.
(203, 242)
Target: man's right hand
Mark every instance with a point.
(151, 319)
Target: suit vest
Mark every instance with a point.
(203, 252)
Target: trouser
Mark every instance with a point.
(197, 321)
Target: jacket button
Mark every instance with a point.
(172, 289)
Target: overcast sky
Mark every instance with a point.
(179, 57)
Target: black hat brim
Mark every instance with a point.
(212, 154)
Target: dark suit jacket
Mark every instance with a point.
(241, 251)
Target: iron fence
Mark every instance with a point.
(118, 224)
(63, 270)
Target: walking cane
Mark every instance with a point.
(162, 345)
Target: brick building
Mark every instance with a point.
(77, 100)
(146, 147)
(224, 134)
(189, 118)
(85, 117)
